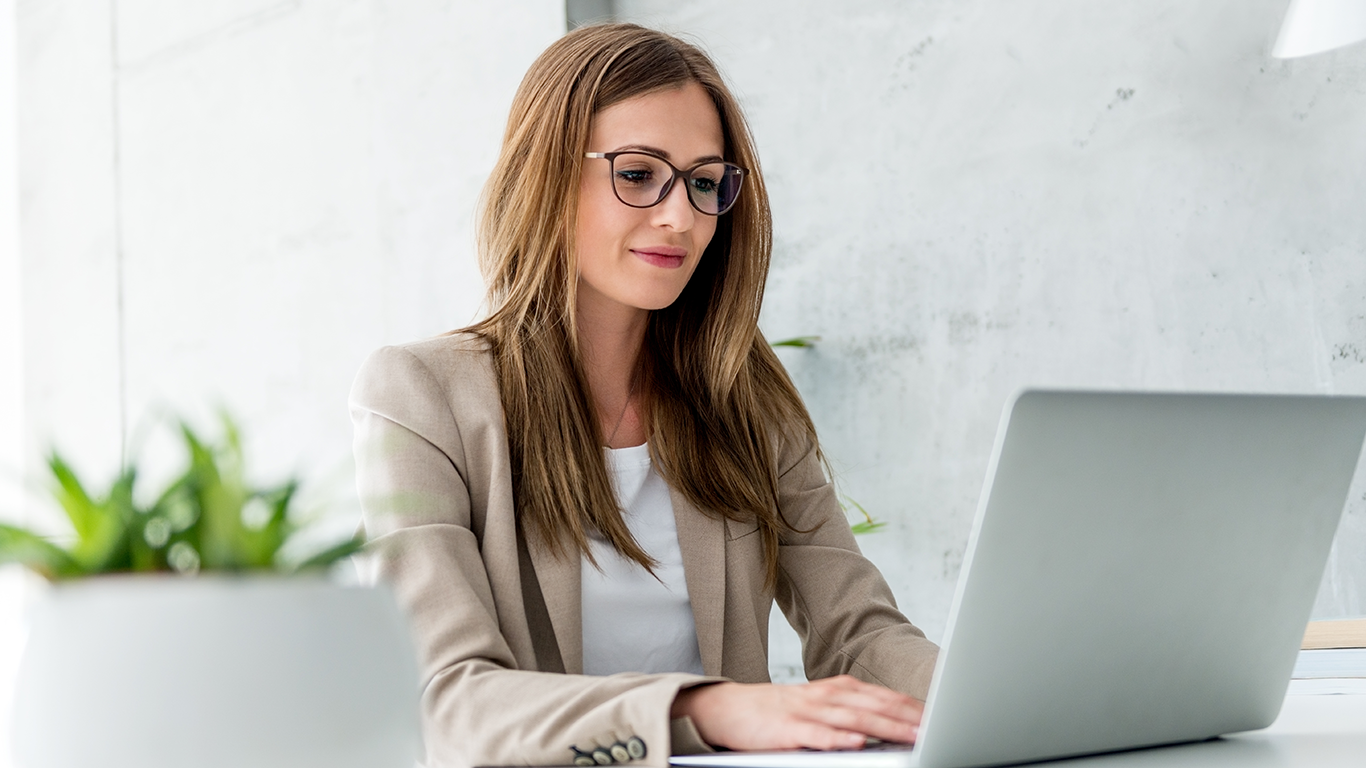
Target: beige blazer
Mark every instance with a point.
(496, 620)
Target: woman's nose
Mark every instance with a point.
(675, 211)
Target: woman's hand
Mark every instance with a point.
(834, 713)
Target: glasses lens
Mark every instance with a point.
(714, 187)
(639, 179)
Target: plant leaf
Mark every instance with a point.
(867, 527)
(796, 341)
(267, 541)
(35, 552)
(201, 512)
(107, 548)
(220, 517)
(868, 524)
(71, 495)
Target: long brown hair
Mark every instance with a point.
(715, 399)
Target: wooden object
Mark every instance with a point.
(1346, 633)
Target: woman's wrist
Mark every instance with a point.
(686, 701)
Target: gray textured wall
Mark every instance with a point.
(972, 196)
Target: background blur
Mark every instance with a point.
(233, 202)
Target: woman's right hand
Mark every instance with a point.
(833, 713)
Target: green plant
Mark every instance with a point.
(796, 341)
(868, 524)
(208, 519)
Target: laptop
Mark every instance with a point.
(1140, 572)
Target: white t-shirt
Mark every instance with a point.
(633, 622)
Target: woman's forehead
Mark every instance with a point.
(681, 124)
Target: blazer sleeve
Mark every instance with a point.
(836, 599)
(478, 707)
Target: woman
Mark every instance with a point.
(589, 501)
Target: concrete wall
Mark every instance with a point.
(973, 196)
(235, 201)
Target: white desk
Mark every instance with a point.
(1313, 731)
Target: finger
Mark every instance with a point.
(869, 697)
(815, 735)
(853, 684)
(898, 707)
(863, 721)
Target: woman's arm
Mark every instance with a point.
(836, 598)
(478, 706)
(870, 667)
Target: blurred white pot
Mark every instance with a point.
(172, 672)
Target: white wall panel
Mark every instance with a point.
(445, 75)
(299, 182)
(288, 185)
(11, 295)
(69, 230)
(249, 225)
(11, 369)
(153, 31)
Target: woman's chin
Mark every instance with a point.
(651, 300)
(661, 302)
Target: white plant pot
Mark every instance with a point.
(210, 672)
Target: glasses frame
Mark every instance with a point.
(686, 175)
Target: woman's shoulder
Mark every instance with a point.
(455, 367)
(458, 351)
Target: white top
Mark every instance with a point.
(632, 621)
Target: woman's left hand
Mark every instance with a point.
(833, 713)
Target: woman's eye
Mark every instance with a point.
(705, 186)
(633, 176)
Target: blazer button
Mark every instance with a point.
(602, 756)
(635, 747)
(582, 759)
(620, 753)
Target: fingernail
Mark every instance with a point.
(854, 739)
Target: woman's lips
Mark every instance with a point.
(664, 256)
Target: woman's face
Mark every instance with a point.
(641, 258)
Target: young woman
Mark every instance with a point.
(589, 501)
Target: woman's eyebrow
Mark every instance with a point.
(664, 154)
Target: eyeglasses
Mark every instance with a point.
(642, 180)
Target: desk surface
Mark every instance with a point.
(1313, 731)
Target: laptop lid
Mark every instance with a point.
(1140, 571)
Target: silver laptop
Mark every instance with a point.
(1140, 572)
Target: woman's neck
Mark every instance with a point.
(610, 340)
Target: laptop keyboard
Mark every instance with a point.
(873, 745)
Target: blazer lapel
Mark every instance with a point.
(560, 585)
(702, 541)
